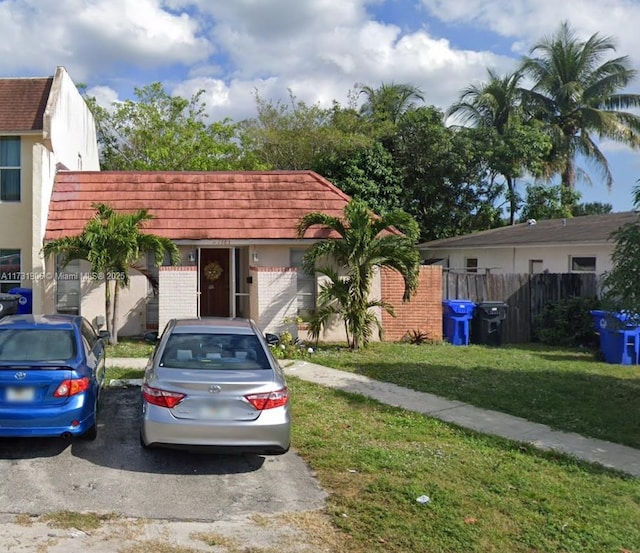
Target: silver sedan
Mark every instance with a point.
(213, 382)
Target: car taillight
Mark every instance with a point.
(269, 400)
(162, 398)
(72, 387)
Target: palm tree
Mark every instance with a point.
(113, 243)
(388, 102)
(364, 243)
(493, 104)
(577, 95)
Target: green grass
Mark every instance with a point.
(80, 521)
(487, 494)
(566, 389)
(130, 347)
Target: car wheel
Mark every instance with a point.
(90, 434)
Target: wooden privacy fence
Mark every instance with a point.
(525, 295)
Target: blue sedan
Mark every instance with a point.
(52, 370)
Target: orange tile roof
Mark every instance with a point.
(198, 205)
(22, 103)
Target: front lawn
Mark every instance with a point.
(485, 494)
(566, 389)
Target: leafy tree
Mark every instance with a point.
(389, 101)
(368, 173)
(577, 94)
(515, 147)
(445, 177)
(545, 202)
(621, 284)
(160, 132)
(294, 135)
(365, 242)
(591, 208)
(113, 243)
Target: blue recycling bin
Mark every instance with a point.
(456, 315)
(619, 337)
(25, 301)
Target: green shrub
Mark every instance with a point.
(289, 348)
(568, 323)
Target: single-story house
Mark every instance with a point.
(572, 245)
(243, 222)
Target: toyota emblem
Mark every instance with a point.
(21, 375)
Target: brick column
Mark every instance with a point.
(275, 288)
(177, 294)
(422, 313)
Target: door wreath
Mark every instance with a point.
(212, 271)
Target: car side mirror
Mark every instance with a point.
(104, 334)
(272, 339)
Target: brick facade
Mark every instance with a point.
(422, 313)
(178, 294)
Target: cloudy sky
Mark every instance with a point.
(319, 49)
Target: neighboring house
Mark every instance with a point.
(44, 125)
(573, 245)
(243, 221)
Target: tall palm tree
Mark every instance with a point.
(364, 243)
(389, 101)
(113, 243)
(492, 104)
(577, 94)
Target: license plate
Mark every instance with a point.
(22, 393)
(211, 412)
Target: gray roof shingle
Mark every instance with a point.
(22, 103)
(588, 229)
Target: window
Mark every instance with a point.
(471, 264)
(306, 284)
(10, 269)
(68, 287)
(583, 264)
(535, 266)
(213, 352)
(9, 168)
(88, 333)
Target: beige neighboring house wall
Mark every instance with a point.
(67, 139)
(548, 245)
(555, 259)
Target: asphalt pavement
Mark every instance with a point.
(608, 454)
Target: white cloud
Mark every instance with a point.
(528, 21)
(92, 38)
(104, 95)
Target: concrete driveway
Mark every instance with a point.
(114, 474)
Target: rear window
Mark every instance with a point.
(214, 351)
(35, 344)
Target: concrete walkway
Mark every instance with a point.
(608, 454)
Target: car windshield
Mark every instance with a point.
(36, 344)
(214, 351)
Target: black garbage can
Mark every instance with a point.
(8, 304)
(487, 323)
